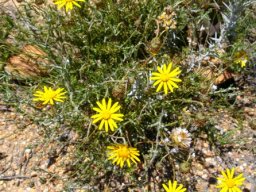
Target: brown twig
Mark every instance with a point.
(8, 178)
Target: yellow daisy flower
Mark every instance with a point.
(120, 153)
(107, 114)
(173, 187)
(49, 96)
(166, 78)
(228, 182)
(67, 3)
(241, 58)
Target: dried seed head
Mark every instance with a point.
(181, 137)
(167, 18)
(119, 91)
(185, 167)
(154, 46)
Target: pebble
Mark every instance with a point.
(248, 185)
(205, 176)
(201, 185)
(210, 162)
(33, 174)
(208, 153)
(206, 145)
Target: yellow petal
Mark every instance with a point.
(159, 87)
(97, 109)
(175, 72)
(175, 79)
(165, 187)
(115, 108)
(169, 86)
(174, 185)
(106, 125)
(224, 174)
(164, 68)
(170, 184)
(76, 4)
(101, 124)
(110, 122)
(154, 78)
(51, 101)
(109, 104)
(104, 104)
(58, 99)
(173, 84)
(128, 162)
(156, 74)
(97, 119)
(169, 67)
(117, 117)
(165, 89)
(159, 69)
(157, 82)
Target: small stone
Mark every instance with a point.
(248, 186)
(27, 151)
(33, 174)
(209, 161)
(240, 169)
(200, 173)
(204, 136)
(112, 184)
(212, 188)
(206, 145)
(205, 176)
(201, 185)
(223, 77)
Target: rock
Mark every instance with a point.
(202, 185)
(32, 62)
(33, 174)
(206, 73)
(250, 111)
(248, 186)
(223, 77)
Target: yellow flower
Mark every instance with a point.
(242, 62)
(68, 4)
(172, 187)
(48, 96)
(107, 114)
(241, 58)
(166, 78)
(230, 183)
(120, 153)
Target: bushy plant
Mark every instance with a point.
(109, 49)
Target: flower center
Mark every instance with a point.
(106, 115)
(123, 152)
(176, 139)
(51, 94)
(230, 183)
(183, 135)
(165, 77)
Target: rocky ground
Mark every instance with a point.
(28, 161)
